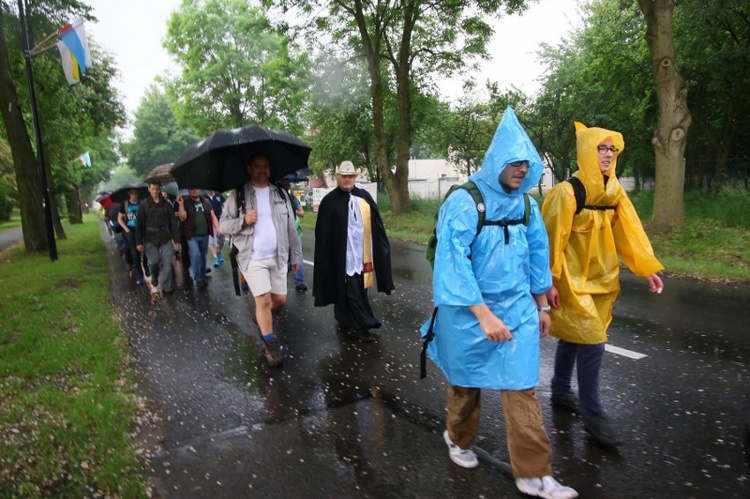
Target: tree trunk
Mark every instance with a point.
(400, 193)
(24, 160)
(73, 204)
(396, 184)
(673, 117)
(56, 222)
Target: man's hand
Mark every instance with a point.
(295, 267)
(251, 216)
(179, 199)
(654, 283)
(545, 322)
(139, 247)
(553, 297)
(492, 326)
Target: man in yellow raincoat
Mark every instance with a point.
(584, 247)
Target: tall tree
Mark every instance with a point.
(24, 159)
(673, 118)
(236, 69)
(404, 43)
(157, 138)
(714, 43)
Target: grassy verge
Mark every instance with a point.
(67, 394)
(714, 244)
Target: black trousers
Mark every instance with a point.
(355, 312)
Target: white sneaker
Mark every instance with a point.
(463, 458)
(546, 487)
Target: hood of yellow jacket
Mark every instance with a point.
(587, 139)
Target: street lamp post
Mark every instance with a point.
(51, 243)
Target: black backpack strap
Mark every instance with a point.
(579, 190)
(427, 339)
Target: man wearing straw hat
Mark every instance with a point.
(351, 253)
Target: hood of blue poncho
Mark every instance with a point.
(510, 143)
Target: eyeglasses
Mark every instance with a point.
(604, 149)
(518, 164)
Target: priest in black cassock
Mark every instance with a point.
(351, 253)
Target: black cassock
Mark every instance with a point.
(330, 283)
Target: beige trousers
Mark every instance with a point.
(528, 444)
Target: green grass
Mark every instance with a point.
(67, 392)
(714, 243)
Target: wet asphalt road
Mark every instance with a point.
(346, 419)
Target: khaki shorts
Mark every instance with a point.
(265, 275)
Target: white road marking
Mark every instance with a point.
(609, 348)
(621, 351)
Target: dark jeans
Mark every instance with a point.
(198, 247)
(588, 358)
(299, 276)
(135, 256)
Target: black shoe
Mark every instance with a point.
(601, 431)
(208, 270)
(273, 352)
(366, 336)
(167, 291)
(201, 284)
(301, 287)
(566, 401)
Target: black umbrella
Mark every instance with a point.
(220, 161)
(121, 194)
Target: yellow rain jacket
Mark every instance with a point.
(584, 247)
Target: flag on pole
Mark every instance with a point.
(85, 159)
(74, 51)
(69, 64)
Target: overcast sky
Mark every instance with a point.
(133, 31)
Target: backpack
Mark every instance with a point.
(476, 195)
(579, 190)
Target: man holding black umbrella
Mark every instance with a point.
(260, 219)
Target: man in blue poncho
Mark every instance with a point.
(489, 290)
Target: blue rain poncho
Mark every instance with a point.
(471, 271)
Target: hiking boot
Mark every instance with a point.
(546, 487)
(566, 401)
(463, 458)
(221, 258)
(273, 352)
(216, 262)
(301, 287)
(366, 336)
(601, 431)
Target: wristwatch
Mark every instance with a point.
(546, 310)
